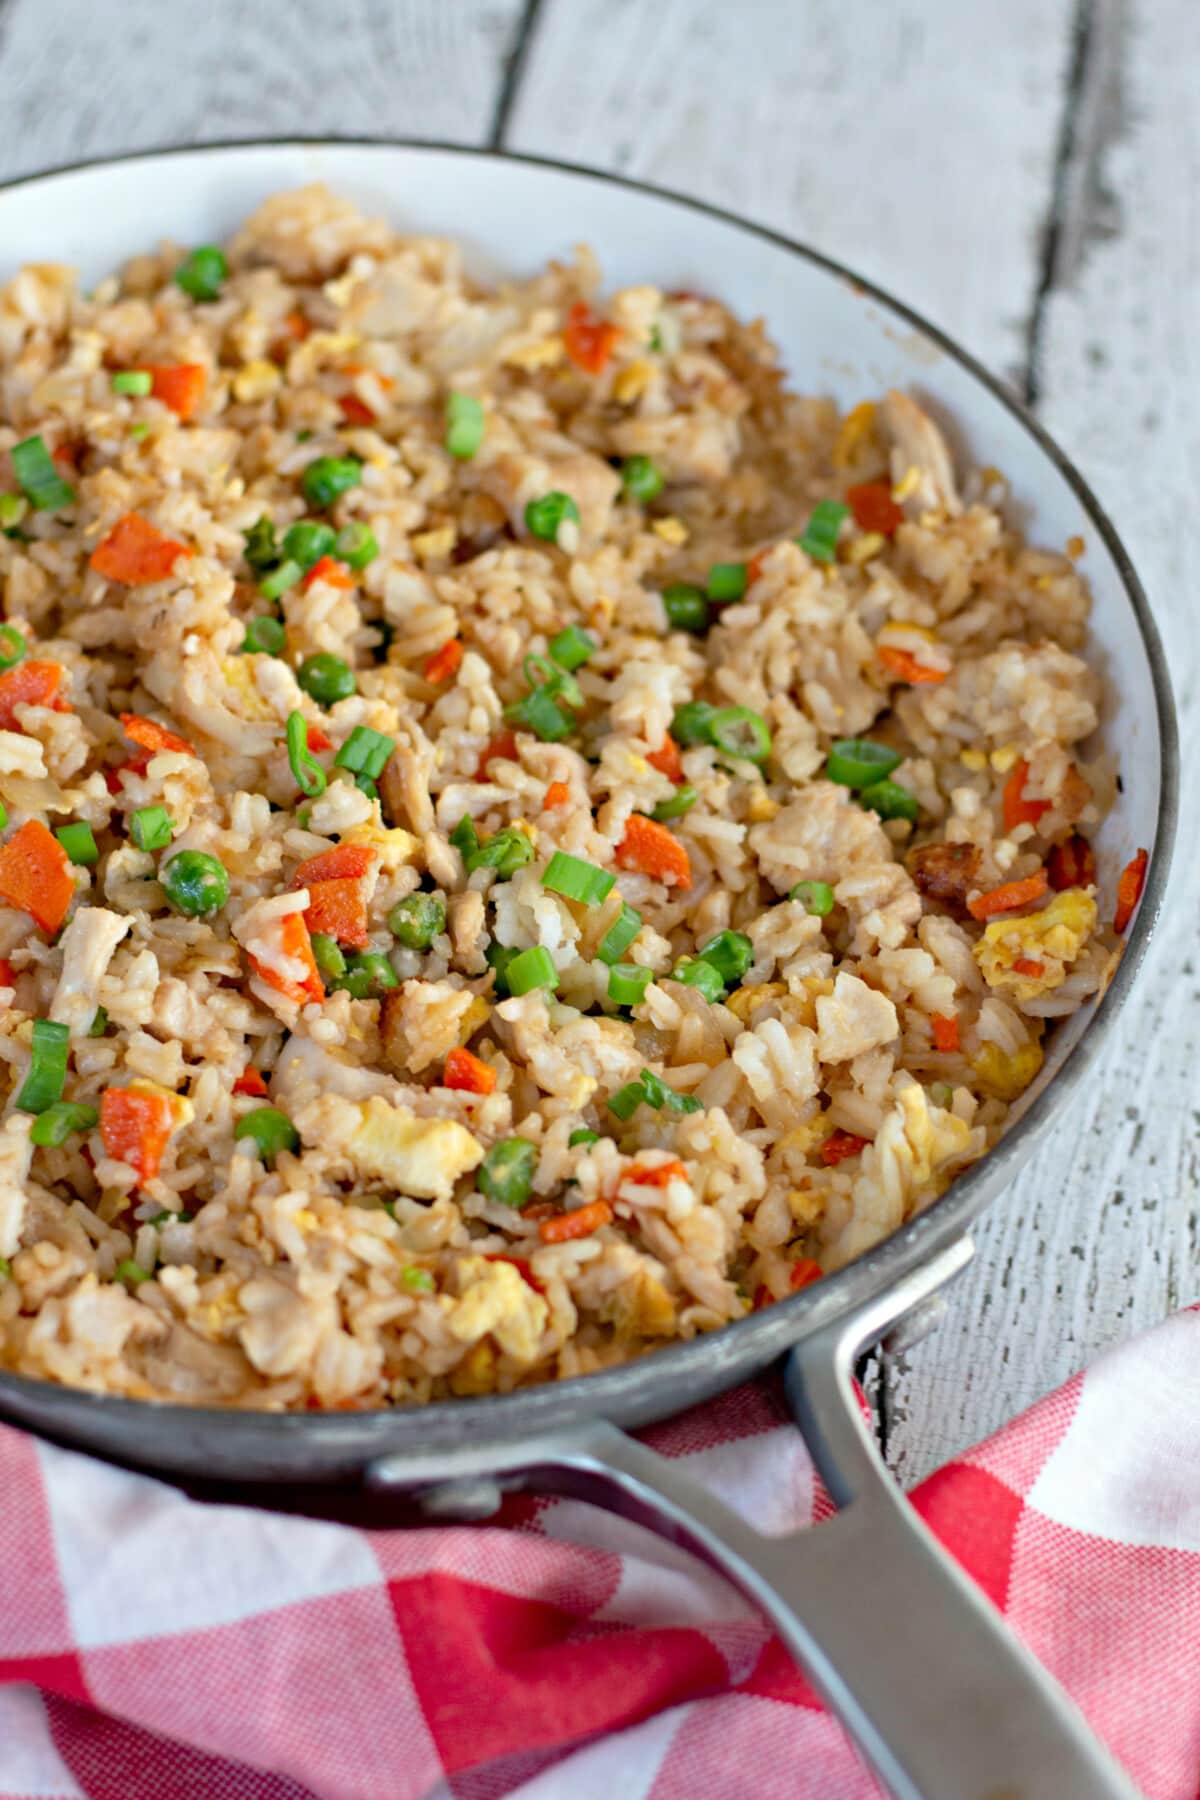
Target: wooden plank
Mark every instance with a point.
(914, 141)
(83, 78)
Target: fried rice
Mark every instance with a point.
(468, 941)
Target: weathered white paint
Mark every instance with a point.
(917, 143)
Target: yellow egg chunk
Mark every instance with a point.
(1031, 955)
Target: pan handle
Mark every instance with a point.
(939, 1695)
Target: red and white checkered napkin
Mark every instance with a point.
(156, 1648)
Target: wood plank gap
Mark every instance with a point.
(515, 64)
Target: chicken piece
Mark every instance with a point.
(419, 1157)
(946, 873)
(852, 1019)
(87, 945)
(918, 444)
(821, 835)
(16, 1152)
(422, 1021)
(282, 1328)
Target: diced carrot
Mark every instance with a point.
(152, 736)
(29, 684)
(137, 764)
(295, 942)
(522, 1267)
(387, 382)
(345, 862)
(1129, 889)
(1028, 965)
(659, 1175)
(762, 1297)
(67, 457)
(1016, 809)
(180, 386)
(35, 875)
(651, 848)
(905, 667)
(557, 794)
(839, 1145)
(135, 1127)
(578, 1224)
(873, 507)
(666, 760)
(805, 1270)
(444, 664)
(1009, 896)
(338, 909)
(355, 411)
(331, 572)
(296, 326)
(754, 567)
(8, 974)
(588, 340)
(538, 1210)
(1071, 864)
(135, 552)
(505, 745)
(468, 1073)
(250, 1081)
(945, 1031)
(316, 739)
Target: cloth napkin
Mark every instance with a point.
(156, 1646)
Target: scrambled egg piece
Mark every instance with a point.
(420, 1157)
(856, 434)
(640, 1308)
(393, 847)
(256, 380)
(1003, 1075)
(1029, 956)
(745, 1000)
(496, 1298)
(239, 676)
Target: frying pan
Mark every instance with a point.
(956, 1709)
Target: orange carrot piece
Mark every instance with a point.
(659, 1175)
(331, 572)
(294, 942)
(652, 849)
(468, 1073)
(29, 684)
(1016, 809)
(355, 411)
(296, 326)
(180, 386)
(152, 736)
(873, 507)
(135, 552)
(1071, 864)
(1129, 889)
(1009, 896)
(35, 875)
(1029, 965)
(839, 1145)
(666, 760)
(8, 974)
(589, 341)
(345, 862)
(505, 745)
(754, 567)
(557, 794)
(134, 1128)
(520, 1264)
(905, 667)
(945, 1031)
(316, 739)
(338, 909)
(805, 1270)
(445, 663)
(578, 1224)
(250, 1082)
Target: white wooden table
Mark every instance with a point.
(1024, 172)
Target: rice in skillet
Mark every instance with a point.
(449, 939)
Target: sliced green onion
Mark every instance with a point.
(99, 1024)
(137, 382)
(543, 517)
(13, 508)
(858, 762)
(265, 636)
(819, 537)
(740, 732)
(505, 851)
(686, 607)
(507, 1171)
(56, 1124)
(730, 954)
(3, 815)
(269, 1130)
(576, 879)
(195, 884)
(417, 1281)
(328, 477)
(659, 1095)
(464, 425)
(582, 1136)
(280, 580)
(368, 975)
(48, 1067)
(539, 713)
(558, 682)
(79, 843)
(692, 724)
(415, 921)
(620, 935)
(627, 983)
(202, 273)
(726, 581)
(941, 1093)
(131, 1272)
(307, 772)
(681, 801)
(367, 785)
(816, 897)
(695, 972)
(308, 540)
(326, 678)
(38, 477)
(139, 431)
(626, 1100)
(465, 837)
(356, 545)
(572, 648)
(642, 479)
(890, 801)
(500, 958)
(166, 1217)
(12, 647)
(260, 549)
(5, 1268)
(327, 956)
(365, 752)
(531, 969)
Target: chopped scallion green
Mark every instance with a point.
(307, 772)
(859, 762)
(55, 1125)
(641, 479)
(730, 953)
(726, 581)
(265, 636)
(686, 607)
(582, 1136)
(327, 477)
(464, 425)
(627, 983)
(740, 732)
(576, 879)
(12, 647)
(202, 273)
(47, 1068)
(505, 851)
(620, 935)
(819, 537)
(135, 382)
(533, 968)
(681, 801)
(280, 580)
(890, 801)
(571, 648)
(365, 752)
(544, 516)
(79, 843)
(695, 972)
(38, 477)
(307, 541)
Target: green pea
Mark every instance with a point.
(326, 678)
(416, 920)
(195, 884)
